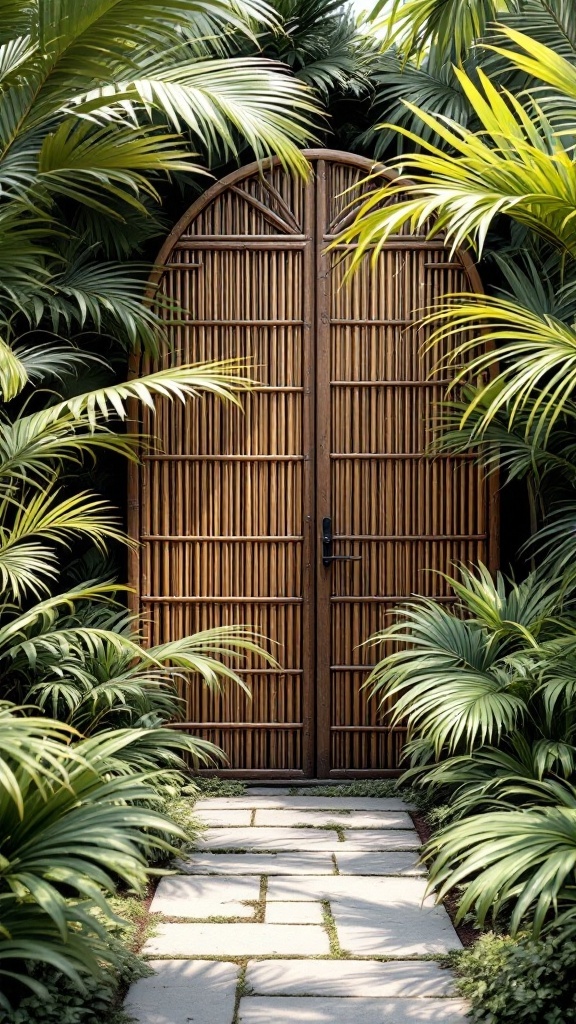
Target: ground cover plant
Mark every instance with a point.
(484, 133)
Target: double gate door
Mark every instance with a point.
(314, 512)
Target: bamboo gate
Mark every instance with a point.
(315, 512)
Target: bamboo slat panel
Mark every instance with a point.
(228, 511)
(402, 513)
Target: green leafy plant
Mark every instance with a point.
(62, 1002)
(518, 980)
(77, 819)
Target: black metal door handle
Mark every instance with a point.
(327, 539)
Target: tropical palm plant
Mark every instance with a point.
(487, 688)
(523, 861)
(518, 167)
(101, 106)
(426, 41)
(325, 47)
(102, 766)
(75, 823)
(467, 677)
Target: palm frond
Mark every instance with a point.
(220, 101)
(431, 86)
(549, 22)
(450, 25)
(34, 447)
(524, 861)
(222, 379)
(516, 165)
(13, 374)
(536, 357)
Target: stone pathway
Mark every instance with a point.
(298, 910)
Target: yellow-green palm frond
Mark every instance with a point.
(34, 447)
(13, 374)
(516, 165)
(538, 61)
(224, 379)
(453, 26)
(39, 520)
(535, 379)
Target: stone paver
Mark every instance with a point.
(363, 863)
(403, 930)
(293, 913)
(322, 1010)
(408, 979)
(182, 940)
(268, 839)
(276, 879)
(304, 803)
(381, 839)
(263, 864)
(307, 839)
(181, 991)
(223, 818)
(340, 816)
(205, 897)
(371, 893)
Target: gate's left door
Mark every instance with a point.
(226, 506)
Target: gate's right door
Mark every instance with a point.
(401, 515)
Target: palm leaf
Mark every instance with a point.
(515, 165)
(520, 860)
(536, 356)
(221, 379)
(452, 25)
(13, 375)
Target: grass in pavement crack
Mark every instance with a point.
(261, 904)
(242, 989)
(336, 951)
(330, 826)
(363, 787)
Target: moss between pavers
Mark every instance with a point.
(363, 787)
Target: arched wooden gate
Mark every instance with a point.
(239, 515)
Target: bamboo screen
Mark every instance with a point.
(229, 511)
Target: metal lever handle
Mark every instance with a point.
(327, 539)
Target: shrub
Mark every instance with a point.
(63, 1003)
(519, 981)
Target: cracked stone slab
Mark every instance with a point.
(228, 817)
(184, 896)
(310, 803)
(293, 913)
(364, 863)
(405, 979)
(326, 1010)
(370, 894)
(268, 839)
(340, 816)
(189, 940)
(258, 864)
(184, 991)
